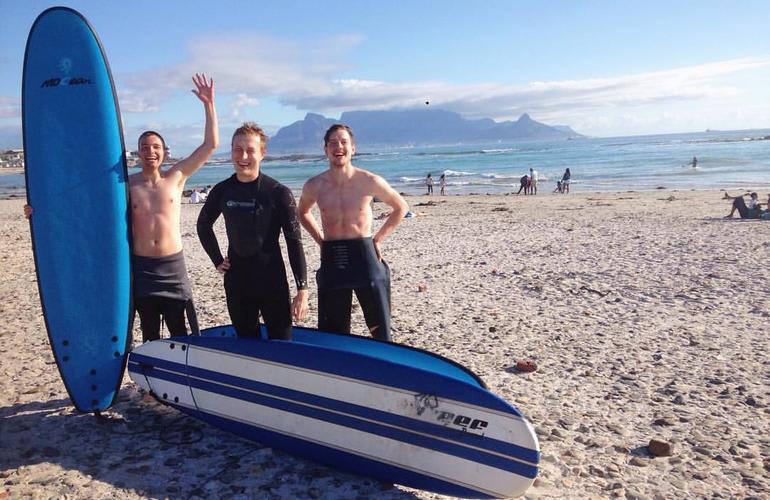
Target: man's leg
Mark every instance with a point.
(276, 310)
(334, 310)
(241, 304)
(740, 205)
(375, 304)
(173, 315)
(149, 311)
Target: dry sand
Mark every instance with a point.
(647, 315)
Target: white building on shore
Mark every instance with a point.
(12, 158)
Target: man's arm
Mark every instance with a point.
(206, 218)
(293, 236)
(388, 195)
(306, 202)
(205, 92)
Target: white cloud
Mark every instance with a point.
(10, 107)
(241, 101)
(308, 77)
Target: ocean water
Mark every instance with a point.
(729, 160)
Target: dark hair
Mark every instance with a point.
(148, 133)
(334, 128)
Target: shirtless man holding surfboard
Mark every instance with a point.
(161, 285)
(351, 258)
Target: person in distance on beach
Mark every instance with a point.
(523, 184)
(351, 258)
(565, 181)
(429, 183)
(533, 181)
(161, 285)
(256, 209)
(442, 183)
(750, 210)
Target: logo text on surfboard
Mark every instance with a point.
(75, 80)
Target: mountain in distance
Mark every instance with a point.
(412, 127)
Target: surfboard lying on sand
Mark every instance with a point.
(76, 183)
(382, 410)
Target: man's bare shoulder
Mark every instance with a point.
(136, 179)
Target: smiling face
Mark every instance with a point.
(151, 151)
(247, 153)
(339, 148)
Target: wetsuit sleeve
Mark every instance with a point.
(208, 215)
(293, 236)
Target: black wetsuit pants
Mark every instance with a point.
(151, 309)
(162, 289)
(251, 289)
(349, 266)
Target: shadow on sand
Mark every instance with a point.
(153, 450)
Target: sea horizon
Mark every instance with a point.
(734, 159)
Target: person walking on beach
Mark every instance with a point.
(532, 181)
(442, 183)
(429, 183)
(523, 184)
(161, 285)
(351, 258)
(565, 181)
(256, 208)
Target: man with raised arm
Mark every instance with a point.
(351, 258)
(161, 285)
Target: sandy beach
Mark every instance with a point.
(647, 315)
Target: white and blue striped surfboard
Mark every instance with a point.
(382, 410)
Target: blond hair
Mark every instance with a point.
(251, 128)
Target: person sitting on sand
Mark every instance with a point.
(750, 210)
(558, 187)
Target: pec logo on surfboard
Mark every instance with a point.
(423, 402)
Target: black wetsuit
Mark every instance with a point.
(162, 289)
(255, 212)
(347, 266)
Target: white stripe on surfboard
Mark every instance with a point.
(455, 470)
(504, 427)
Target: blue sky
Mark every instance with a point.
(604, 68)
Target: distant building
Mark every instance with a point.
(12, 158)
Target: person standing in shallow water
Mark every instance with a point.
(442, 183)
(429, 183)
(351, 258)
(565, 181)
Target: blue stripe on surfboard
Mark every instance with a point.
(339, 459)
(375, 428)
(213, 382)
(441, 431)
(354, 365)
(391, 351)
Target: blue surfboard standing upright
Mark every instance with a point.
(76, 179)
